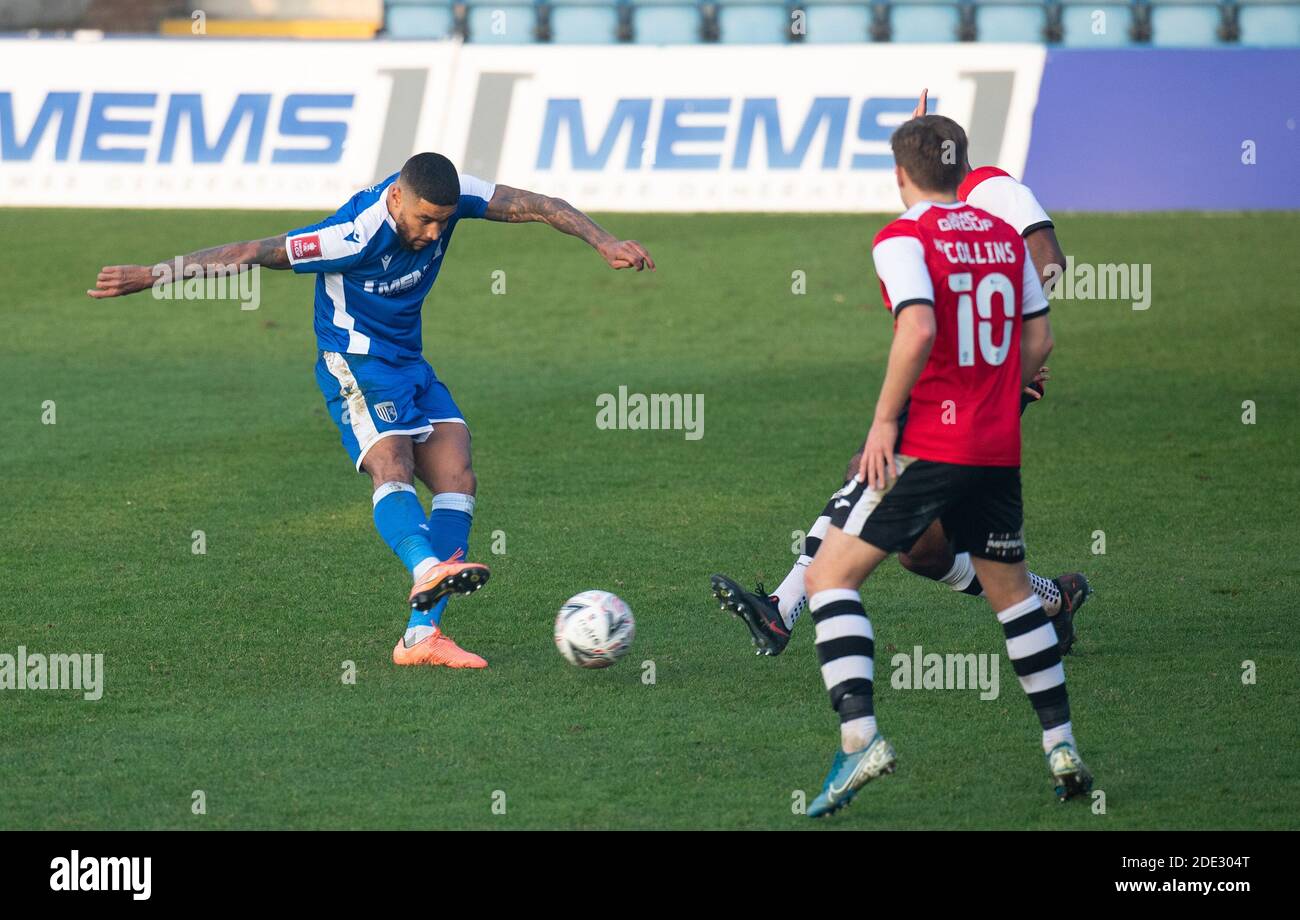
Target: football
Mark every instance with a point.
(594, 629)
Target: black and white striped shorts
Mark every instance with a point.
(979, 507)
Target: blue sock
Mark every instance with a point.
(449, 523)
(399, 518)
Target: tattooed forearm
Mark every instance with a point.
(269, 253)
(119, 280)
(517, 206)
(272, 252)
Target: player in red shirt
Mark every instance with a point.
(771, 618)
(971, 329)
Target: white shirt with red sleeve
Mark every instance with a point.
(993, 190)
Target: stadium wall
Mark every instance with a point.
(267, 124)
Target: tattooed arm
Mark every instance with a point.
(117, 280)
(518, 206)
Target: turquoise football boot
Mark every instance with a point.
(1070, 774)
(850, 772)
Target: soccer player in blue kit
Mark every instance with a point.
(375, 260)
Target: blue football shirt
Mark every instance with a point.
(370, 287)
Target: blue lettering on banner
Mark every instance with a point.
(827, 116)
(870, 129)
(834, 111)
(248, 106)
(99, 127)
(672, 132)
(333, 132)
(60, 105)
(635, 113)
(113, 119)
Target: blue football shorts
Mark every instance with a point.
(370, 399)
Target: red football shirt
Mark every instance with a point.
(975, 271)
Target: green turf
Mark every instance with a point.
(223, 670)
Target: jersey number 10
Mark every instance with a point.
(991, 284)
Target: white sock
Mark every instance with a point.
(458, 501)
(856, 734)
(418, 634)
(789, 594)
(422, 567)
(1047, 592)
(1054, 736)
(961, 574)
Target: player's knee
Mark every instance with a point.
(459, 478)
(817, 578)
(466, 481)
(389, 469)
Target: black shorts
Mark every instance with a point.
(979, 507)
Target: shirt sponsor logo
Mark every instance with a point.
(402, 284)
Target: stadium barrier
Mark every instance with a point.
(269, 124)
(274, 28)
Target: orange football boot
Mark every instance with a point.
(448, 577)
(438, 650)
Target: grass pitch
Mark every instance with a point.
(223, 670)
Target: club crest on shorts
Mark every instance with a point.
(386, 411)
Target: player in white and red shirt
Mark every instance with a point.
(966, 264)
(971, 330)
(771, 617)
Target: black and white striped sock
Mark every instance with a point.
(790, 596)
(961, 577)
(846, 649)
(817, 532)
(1047, 592)
(1036, 659)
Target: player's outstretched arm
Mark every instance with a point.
(118, 280)
(517, 205)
